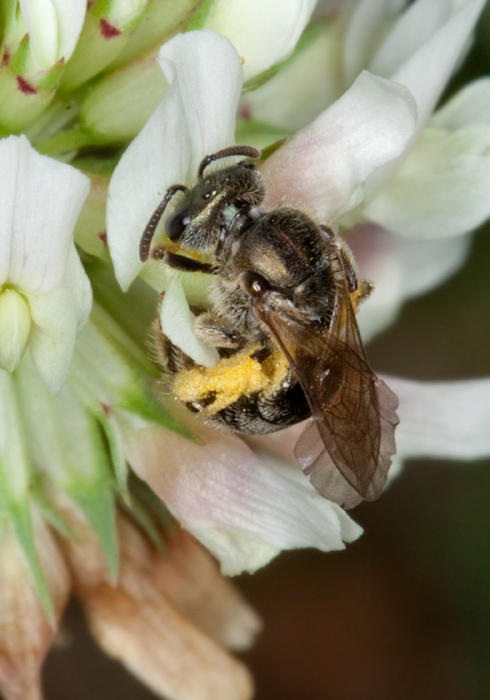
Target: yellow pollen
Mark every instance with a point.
(233, 377)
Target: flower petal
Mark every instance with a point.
(205, 79)
(443, 419)
(53, 336)
(441, 190)
(471, 105)
(375, 253)
(54, 27)
(323, 167)
(242, 509)
(25, 629)
(303, 87)
(135, 622)
(79, 285)
(367, 22)
(399, 268)
(192, 582)
(263, 33)
(177, 323)
(15, 326)
(40, 202)
(423, 48)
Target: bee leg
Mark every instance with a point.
(362, 288)
(328, 234)
(181, 262)
(211, 329)
(170, 358)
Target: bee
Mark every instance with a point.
(284, 294)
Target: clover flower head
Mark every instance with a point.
(107, 488)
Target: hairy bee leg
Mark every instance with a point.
(362, 287)
(211, 329)
(182, 263)
(328, 233)
(170, 358)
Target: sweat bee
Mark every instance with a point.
(284, 296)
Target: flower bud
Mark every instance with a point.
(15, 325)
(107, 29)
(36, 43)
(119, 106)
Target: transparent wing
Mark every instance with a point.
(354, 411)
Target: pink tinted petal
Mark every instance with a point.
(423, 49)
(40, 201)
(243, 509)
(26, 633)
(375, 252)
(399, 268)
(443, 419)
(322, 169)
(195, 117)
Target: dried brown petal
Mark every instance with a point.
(192, 581)
(136, 622)
(26, 632)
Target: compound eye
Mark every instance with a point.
(176, 224)
(208, 195)
(256, 285)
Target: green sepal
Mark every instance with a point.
(8, 10)
(118, 460)
(151, 503)
(101, 8)
(200, 15)
(127, 315)
(20, 518)
(271, 148)
(147, 524)
(145, 405)
(52, 77)
(19, 59)
(97, 502)
(260, 134)
(52, 516)
(160, 21)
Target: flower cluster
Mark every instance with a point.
(345, 106)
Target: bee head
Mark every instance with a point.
(210, 205)
(206, 209)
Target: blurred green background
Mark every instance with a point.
(405, 611)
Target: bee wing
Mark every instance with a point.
(354, 411)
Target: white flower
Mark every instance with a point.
(44, 292)
(433, 190)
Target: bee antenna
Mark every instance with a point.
(149, 231)
(248, 151)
